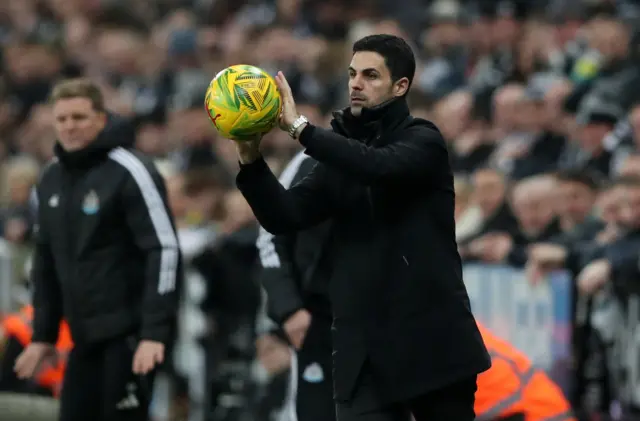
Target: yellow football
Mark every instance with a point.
(243, 102)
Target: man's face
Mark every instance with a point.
(533, 211)
(76, 122)
(531, 116)
(576, 200)
(489, 191)
(610, 204)
(630, 207)
(370, 82)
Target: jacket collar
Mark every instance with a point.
(117, 133)
(383, 117)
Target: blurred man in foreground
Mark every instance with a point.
(107, 260)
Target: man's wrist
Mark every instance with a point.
(296, 133)
(247, 158)
(296, 126)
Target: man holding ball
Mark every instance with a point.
(405, 341)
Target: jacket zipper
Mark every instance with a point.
(67, 196)
(68, 214)
(372, 142)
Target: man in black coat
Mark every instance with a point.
(405, 340)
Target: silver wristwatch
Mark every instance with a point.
(296, 125)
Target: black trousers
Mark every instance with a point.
(99, 384)
(451, 403)
(311, 381)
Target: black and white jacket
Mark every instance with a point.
(293, 274)
(107, 256)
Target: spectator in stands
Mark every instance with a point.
(576, 196)
(490, 196)
(617, 261)
(21, 175)
(532, 203)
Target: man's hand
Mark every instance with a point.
(248, 151)
(33, 357)
(289, 113)
(491, 248)
(497, 247)
(547, 254)
(296, 327)
(273, 354)
(147, 356)
(594, 276)
(608, 234)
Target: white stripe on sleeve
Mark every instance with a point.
(268, 256)
(158, 215)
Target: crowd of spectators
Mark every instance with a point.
(539, 102)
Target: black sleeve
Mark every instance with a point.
(47, 297)
(282, 211)
(422, 152)
(624, 260)
(517, 257)
(150, 222)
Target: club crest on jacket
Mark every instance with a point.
(91, 203)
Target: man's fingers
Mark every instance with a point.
(148, 364)
(19, 366)
(286, 85)
(159, 357)
(134, 364)
(22, 366)
(297, 341)
(297, 338)
(281, 88)
(144, 362)
(26, 366)
(136, 367)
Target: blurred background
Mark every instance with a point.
(539, 102)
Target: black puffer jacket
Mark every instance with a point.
(107, 257)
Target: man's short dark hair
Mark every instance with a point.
(397, 54)
(580, 176)
(79, 88)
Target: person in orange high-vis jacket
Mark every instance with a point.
(512, 389)
(18, 327)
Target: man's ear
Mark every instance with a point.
(401, 87)
(103, 118)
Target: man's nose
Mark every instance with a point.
(67, 127)
(356, 83)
